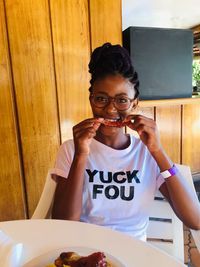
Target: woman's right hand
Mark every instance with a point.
(83, 133)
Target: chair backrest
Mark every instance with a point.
(165, 230)
(43, 209)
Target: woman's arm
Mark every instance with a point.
(179, 194)
(68, 196)
(181, 197)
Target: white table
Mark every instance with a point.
(41, 236)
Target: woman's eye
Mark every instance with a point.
(101, 99)
(122, 100)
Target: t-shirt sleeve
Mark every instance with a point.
(63, 160)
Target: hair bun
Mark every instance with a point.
(96, 56)
(111, 59)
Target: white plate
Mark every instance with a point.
(49, 257)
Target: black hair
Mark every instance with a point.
(112, 60)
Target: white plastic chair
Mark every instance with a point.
(196, 237)
(165, 230)
(43, 209)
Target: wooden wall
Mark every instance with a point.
(45, 48)
(12, 197)
(191, 136)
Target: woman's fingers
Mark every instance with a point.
(144, 128)
(139, 120)
(147, 130)
(86, 133)
(129, 118)
(86, 129)
(93, 122)
(87, 125)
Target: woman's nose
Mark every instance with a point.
(111, 107)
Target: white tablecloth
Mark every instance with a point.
(41, 236)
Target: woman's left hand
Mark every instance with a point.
(147, 130)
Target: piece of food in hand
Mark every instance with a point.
(117, 123)
(72, 259)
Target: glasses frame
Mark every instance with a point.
(111, 99)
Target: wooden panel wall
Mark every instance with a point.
(191, 137)
(49, 43)
(34, 83)
(11, 191)
(71, 43)
(105, 22)
(169, 124)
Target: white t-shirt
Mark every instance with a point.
(119, 185)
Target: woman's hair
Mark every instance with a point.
(112, 60)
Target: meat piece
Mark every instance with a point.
(118, 123)
(96, 259)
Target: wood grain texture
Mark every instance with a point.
(70, 28)
(169, 124)
(169, 102)
(11, 191)
(32, 63)
(105, 22)
(191, 137)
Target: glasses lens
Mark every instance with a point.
(122, 103)
(100, 100)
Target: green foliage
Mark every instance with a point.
(196, 72)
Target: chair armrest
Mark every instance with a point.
(46, 199)
(196, 237)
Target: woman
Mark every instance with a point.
(107, 177)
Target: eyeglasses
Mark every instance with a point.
(121, 103)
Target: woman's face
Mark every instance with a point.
(113, 86)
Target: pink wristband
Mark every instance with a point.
(170, 172)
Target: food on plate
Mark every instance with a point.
(117, 123)
(72, 259)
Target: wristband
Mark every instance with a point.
(170, 172)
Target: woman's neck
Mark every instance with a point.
(118, 141)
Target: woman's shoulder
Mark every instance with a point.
(68, 142)
(67, 146)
